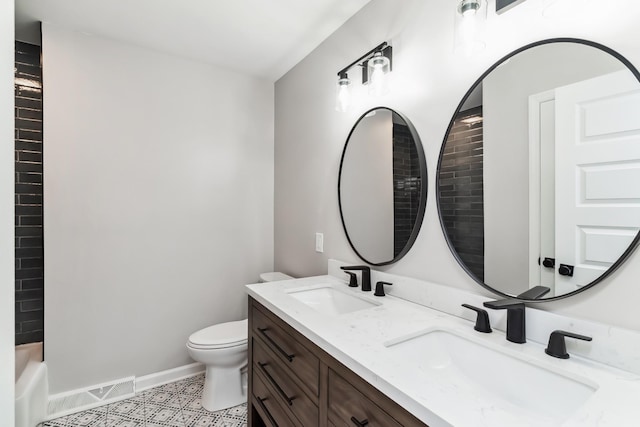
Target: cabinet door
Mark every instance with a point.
(278, 377)
(349, 407)
(285, 367)
(266, 403)
(289, 351)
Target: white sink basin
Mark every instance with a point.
(329, 300)
(479, 372)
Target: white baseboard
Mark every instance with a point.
(73, 401)
(170, 375)
(70, 402)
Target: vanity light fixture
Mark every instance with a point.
(468, 8)
(343, 93)
(378, 69)
(376, 66)
(470, 26)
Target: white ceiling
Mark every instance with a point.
(261, 37)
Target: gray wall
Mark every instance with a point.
(429, 82)
(7, 293)
(506, 94)
(158, 204)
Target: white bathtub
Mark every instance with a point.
(31, 385)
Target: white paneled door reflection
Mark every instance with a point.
(597, 200)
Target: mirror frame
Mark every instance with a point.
(632, 246)
(423, 187)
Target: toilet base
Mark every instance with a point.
(224, 388)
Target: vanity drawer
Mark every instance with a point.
(289, 351)
(272, 414)
(348, 405)
(278, 377)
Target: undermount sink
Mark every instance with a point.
(480, 372)
(329, 300)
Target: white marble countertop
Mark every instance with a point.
(357, 340)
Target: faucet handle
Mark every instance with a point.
(482, 320)
(501, 304)
(557, 346)
(353, 279)
(366, 274)
(380, 288)
(535, 293)
(355, 267)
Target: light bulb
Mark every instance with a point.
(469, 27)
(378, 68)
(377, 82)
(469, 12)
(468, 8)
(343, 95)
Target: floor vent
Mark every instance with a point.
(83, 399)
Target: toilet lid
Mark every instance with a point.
(227, 334)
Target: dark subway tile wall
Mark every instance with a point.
(460, 191)
(28, 189)
(406, 186)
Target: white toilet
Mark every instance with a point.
(222, 348)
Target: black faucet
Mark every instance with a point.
(366, 275)
(516, 327)
(516, 331)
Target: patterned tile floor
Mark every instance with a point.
(175, 404)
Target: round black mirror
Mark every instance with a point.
(382, 186)
(537, 176)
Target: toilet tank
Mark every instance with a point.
(274, 276)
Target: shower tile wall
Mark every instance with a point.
(461, 195)
(406, 186)
(28, 194)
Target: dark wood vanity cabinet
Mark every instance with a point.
(292, 382)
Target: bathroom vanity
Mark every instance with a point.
(294, 382)
(322, 353)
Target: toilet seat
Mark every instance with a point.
(222, 335)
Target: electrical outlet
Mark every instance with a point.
(319, 242)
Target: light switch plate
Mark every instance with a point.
(504, 5)
(319, 242)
